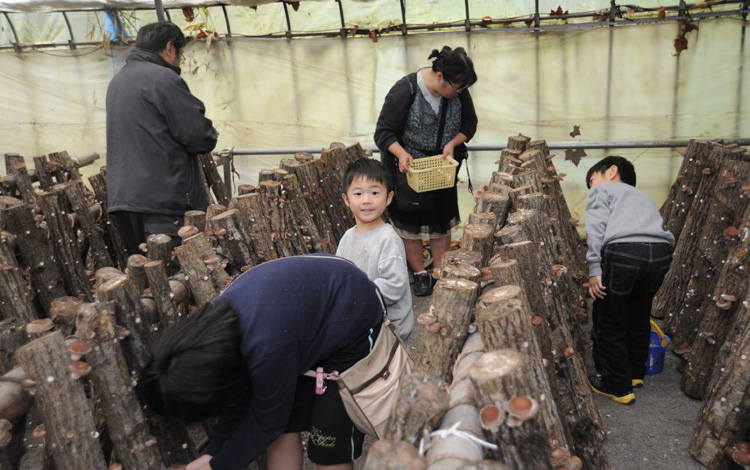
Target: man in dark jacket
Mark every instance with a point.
(155, 129)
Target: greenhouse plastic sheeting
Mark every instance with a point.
(614, 83)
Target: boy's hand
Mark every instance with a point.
(201, 463)
(596, 288)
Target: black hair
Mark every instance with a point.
(456, 67)
(155, 36)
(369, 169)
(196, 369)
(625, 169)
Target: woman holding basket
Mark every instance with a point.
(427, 113)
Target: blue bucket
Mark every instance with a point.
(658, 344)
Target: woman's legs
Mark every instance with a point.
(285, 453)
(439, 246)
(414, 255)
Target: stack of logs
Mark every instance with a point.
(704, 300)
(68, 286)
(505, 330)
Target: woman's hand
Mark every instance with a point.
(405, 162)
(448, 150)
(201, 463)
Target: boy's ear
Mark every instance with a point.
(390, 198)
(346, 201)
(613, 173)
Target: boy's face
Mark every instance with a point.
(367, 200)
(610, 175)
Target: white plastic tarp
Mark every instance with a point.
(614, 83)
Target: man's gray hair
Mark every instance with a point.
(155, 36)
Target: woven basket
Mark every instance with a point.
(431, 173)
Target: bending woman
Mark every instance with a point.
(241, 359)
(427, 113)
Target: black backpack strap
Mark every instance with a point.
(414, 87)
(471, 186)
(443, 113)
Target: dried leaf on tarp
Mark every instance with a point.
(574, 155)
(91, 34)
(486, 19)
(189, 14)
(687, 26)
(680, 44)
(209, 39)
(353, 30)
(373, 35)
(662, 14)
(558, 12)
(529, 22)
(254, 7)
(295, 5)
(576, 131)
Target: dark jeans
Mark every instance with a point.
(135, 228)
(632, 273)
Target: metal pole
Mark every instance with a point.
(288, 21)
(467, 22)
(226, 160)
(623, 144)
(226, 20)
(404, 29)
(72, 41)
(343, 22)
(159, 11)
(16, 44)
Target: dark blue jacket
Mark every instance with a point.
(155, 129)
(294, 312)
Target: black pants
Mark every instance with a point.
(135, 227)
(632, 273)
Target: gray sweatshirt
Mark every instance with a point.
(620, 213)
(380, 253)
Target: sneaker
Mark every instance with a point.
(637, 383)
(598, 386)
(422, 284)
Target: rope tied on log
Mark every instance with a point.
(454, 431)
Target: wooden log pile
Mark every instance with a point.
(67, 284)
(505, 329)
(705, 300)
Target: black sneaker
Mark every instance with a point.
(598, 386)
(422, 284)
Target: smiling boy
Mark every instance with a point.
(372, 244)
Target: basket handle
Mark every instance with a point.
(656, 328)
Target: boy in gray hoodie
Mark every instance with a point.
(628, 255)
(372, 244)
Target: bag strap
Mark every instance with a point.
(385, 325)
(443, 112)
(414, 87)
